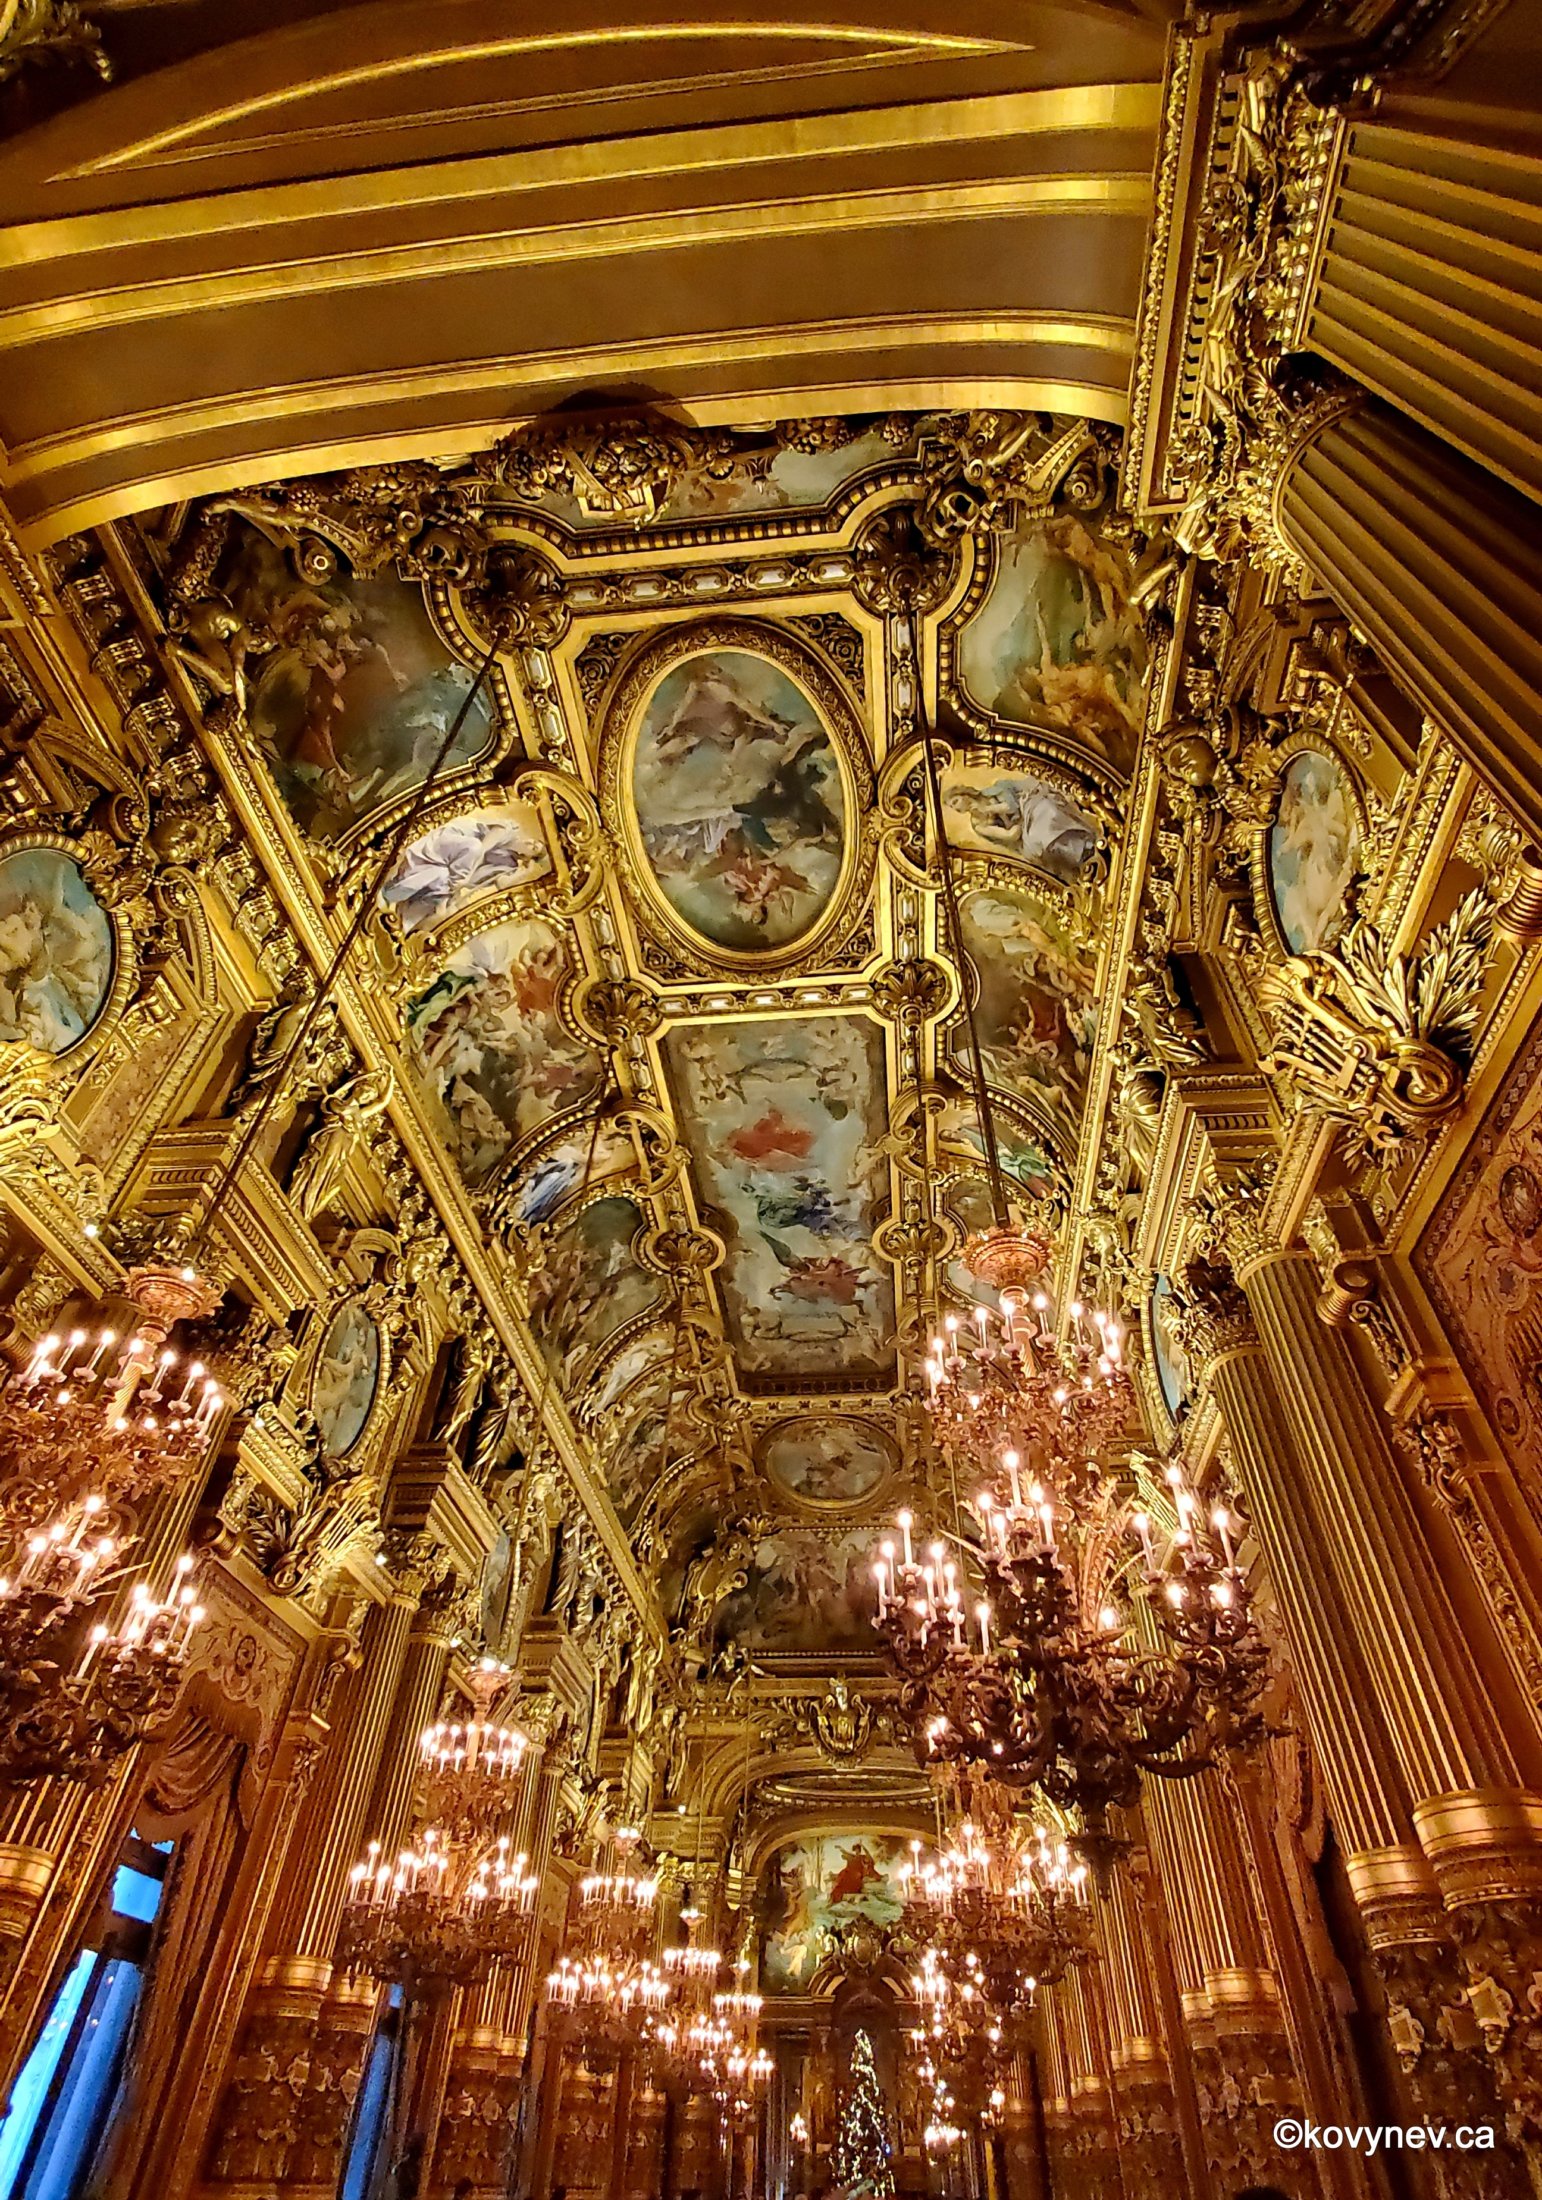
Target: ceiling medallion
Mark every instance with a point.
(1008, 1258)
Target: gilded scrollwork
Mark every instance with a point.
(1259, 397)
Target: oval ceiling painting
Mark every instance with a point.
(346, 1379)
(56, 951)
(1314, 850)
(828, 1462)
(739, 800)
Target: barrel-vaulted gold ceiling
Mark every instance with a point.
(329, 242)
(660, 970)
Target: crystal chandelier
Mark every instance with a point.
(607, 1990)
(1019, 1653)
(734, 2066)
(966, 2038)
(1005, 1904)
(707, 2036)
(457, 1900)
(78, 1696)
(1073, 1647)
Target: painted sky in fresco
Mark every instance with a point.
(1055, 642)
(353, 698)
(739, 800)
(815, 1886)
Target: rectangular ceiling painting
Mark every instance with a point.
(783, 1118)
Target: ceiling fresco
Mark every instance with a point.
(828, 1461)
(783, 1119)
(1021, 815)
(488, 851)
(677, 871)
(804, 1591)
(488, 1044)
(737, 792)
(351, 688)
(1037, 1011)
(780, 476)
(1055, 642)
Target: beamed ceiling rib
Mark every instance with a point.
(302, 253)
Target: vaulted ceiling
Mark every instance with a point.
(661, 964)
(302, 237)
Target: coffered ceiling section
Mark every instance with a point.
(660, 966)
(327, 243)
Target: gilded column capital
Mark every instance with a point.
(1213, 1318)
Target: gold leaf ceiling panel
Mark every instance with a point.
(335, 242)
(661, 968)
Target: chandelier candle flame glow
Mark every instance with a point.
(1103, 1647)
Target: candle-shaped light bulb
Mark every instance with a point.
(1220, 1520)
(1141, 1523)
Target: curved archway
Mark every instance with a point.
(325, 245)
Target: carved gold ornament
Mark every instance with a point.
(1378, 1040)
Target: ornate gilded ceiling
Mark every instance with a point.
(660, 962)
(292, 238)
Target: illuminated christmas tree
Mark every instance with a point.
(864, 2153)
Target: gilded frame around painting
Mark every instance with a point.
(846, 902)
(1300, 742)
(113, 990)
(1054, 746)
(830, 1508)
(328, 1319)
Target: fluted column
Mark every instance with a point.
(286, 2103)
(413, 1708)
(1371, 1807)
(1439, 564)
(333, 1829)
(1246, 2062)
(1152, 2097)
(1431, 271)
(1466, 1744)
(1456, 1724)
